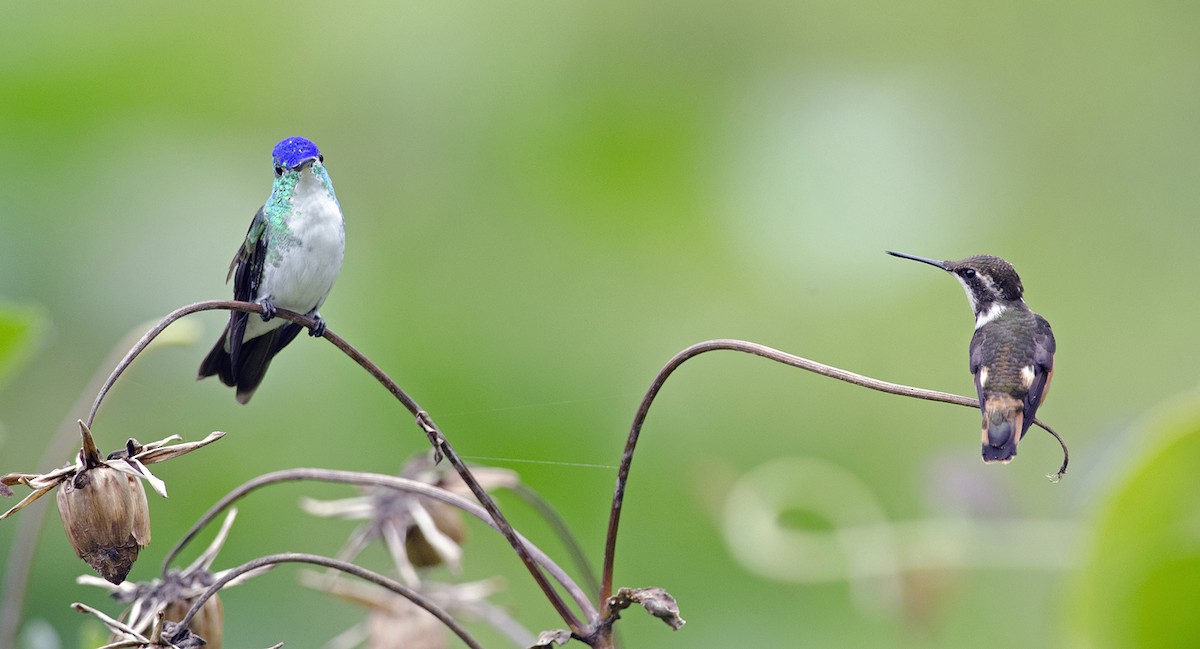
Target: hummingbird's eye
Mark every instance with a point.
(968, 273)
(278, 170)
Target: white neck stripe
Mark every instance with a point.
(990, 314)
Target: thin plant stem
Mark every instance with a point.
(376, 480)
(344, 566)
(560, 527)
(610, 542)
(440, 444)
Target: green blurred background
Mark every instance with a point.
(545, 201)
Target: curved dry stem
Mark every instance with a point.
(769, 353)
(149, 337)
(1062, 470)
(424, 421)
(378, 480)
(344, 566)
(564, 533)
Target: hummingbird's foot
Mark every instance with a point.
(318, 329)
(268, 310)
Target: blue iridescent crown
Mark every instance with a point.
(293, 151)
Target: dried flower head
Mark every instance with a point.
(170, 599)
(101, 501)
(125, 636)
(419, 532)
(173, 596)
(162, 634)
(395, 622)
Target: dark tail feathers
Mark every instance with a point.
(254, 358)
(1003, 419)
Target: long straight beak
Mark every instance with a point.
(926, 260)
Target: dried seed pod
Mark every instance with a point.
(107, 519)
(447, 520)
(208, 623)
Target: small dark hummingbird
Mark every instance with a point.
(1012, 351)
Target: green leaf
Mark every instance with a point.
(1139, 585)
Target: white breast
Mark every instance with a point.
(301, 268)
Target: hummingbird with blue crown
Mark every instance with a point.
(1012, 351)
(290, 258)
